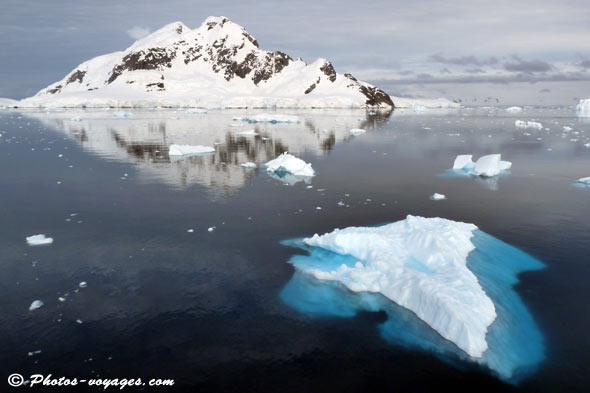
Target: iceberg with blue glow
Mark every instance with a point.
(583, 108)
(486, 166)
(445, 286)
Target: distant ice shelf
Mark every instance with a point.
(448, 274)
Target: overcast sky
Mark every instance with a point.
(390, 41)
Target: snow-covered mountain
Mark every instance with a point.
(218, 64)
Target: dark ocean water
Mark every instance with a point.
(205, 308)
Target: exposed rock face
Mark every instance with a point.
(219, 61)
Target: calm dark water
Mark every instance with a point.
(204, 308)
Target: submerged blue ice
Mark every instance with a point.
(515, 344)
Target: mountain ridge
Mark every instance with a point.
(218, 64)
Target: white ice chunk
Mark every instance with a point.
(122, 114)
(187, 150)
(357, 131)
(488, 166)
(584, 180)
(420, 264)
(35, 305)
(291, 164)
(269, 118)
(528, 124)
(463, 161)
(505, 165)
(437, 197)
(248, 165)
(583, 108)
(514, 109)
(37, 240)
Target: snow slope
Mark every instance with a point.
(217, 65)
(420, 264)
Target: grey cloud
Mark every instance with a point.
(517, 64)
(521, 77)
(584, 63)
(463, 60)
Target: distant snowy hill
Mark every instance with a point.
(218, 64)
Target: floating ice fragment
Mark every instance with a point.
(37, 240)
(83, 284)
(437, 197)
(76, 119)
(514, 109)
(189, 150)
(585, 181)
(528, 124)
(583, 108)
(35, 305)
(566, 128)
(248, 165)
(211, 229)
(464, 161)
(190, 230)
(357, 131)
(122, 114)
(290, 164)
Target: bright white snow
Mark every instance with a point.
(291, 164)
(420, 264)
(37, 240)
(188, 150)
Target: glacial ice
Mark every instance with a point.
(189, 150)
(420, 264)
(290, 164)
(122, 114)
(437, 197)
(37, 240)
(528, 124)
(269, 118)
(585, 181)
(486, 166)
(583, 108)
(35, 305)
(514, 109)
(454, 277)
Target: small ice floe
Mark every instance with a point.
(189, 150)
(33, 353)
(35, 305)
(528, 124)
(290, 164)
(248, 164)
(587, 145)
(584, 181)
(486, 166)
(38, 240)
(357, 131)
(78, 321)
(583, 108)
(195, 111)
(122, 114)
(211, 229)
(268, 118)
(566, 128)
(61, 299)
(75, 119)
(83, 284)
(247, 133)
(437, 197)
(418, 108)
(340, 203)
(514, 109)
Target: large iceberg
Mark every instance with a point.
(448, 274)
(486, 166)
(584, 181)
(583, 108)
(287, 163)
